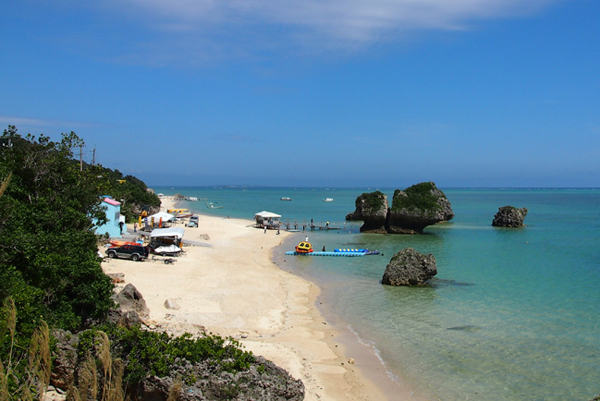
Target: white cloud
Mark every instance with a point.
(190, 32)
(345, 20)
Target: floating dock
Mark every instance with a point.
(347, 254)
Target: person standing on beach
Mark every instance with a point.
(135, 227)
(265, 226)
(306, 239)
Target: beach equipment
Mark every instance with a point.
(162, 216)
(347, 254)
(170, 250)
(304, 247)
(362, 250)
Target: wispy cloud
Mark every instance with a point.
(28, 123)
(325, 22)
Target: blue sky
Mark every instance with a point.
(313, 92)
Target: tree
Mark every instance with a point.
(48, 249)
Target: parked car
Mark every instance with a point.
(193, 222)
(133, 252)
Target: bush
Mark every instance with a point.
(149, 353)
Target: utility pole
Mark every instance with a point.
(80, 157)
(94, 157)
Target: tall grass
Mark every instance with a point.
(24, 375)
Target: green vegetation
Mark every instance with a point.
(50, 272)
(48, 250)
(23, 375)
(418, 197)
(148, 353)
(373, 201)
(130, 191)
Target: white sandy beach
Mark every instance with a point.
(232, 288)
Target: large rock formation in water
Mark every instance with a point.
(509, 216)
(409, 267)
(412, 210)
(372, 208)
(417, 207)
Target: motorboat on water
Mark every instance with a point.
(328, 200)
(285, 198)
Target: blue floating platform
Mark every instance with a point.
(347, 254)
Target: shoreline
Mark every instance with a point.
(367, 361)
(234, 288)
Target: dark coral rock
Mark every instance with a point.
(262, 381)
(412, 210)
(509, 216)
(64, 359)
(130, 299)
(409, 267)
(372, 209)
(417, 207)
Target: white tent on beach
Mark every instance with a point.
(172, 232)
(165, 217)
(267, 219)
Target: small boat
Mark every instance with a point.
(285, 198)
(304, 247)
(214, 207)
(184, 216)
(328, 200)
(192, 199)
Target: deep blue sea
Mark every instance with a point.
(513, 314)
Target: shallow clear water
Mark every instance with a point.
(512, 313)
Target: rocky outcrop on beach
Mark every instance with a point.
(210, 378)
(409, 267)
(372, 208)
(509, 216)
(130, 299)
(262, 381)
(412, 210)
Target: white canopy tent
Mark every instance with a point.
(267, 219)
(165, 217)
(265, 214)
(176, 232)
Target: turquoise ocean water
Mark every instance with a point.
(511, 315)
